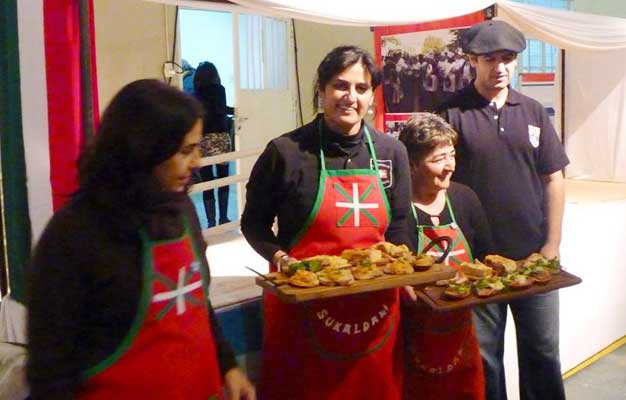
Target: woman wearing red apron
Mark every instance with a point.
(119, 286)
(442, 358)
(333, 184)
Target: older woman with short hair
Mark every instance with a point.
(442, 359)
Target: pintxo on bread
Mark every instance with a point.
(353, 264)
(500, 264)
(498, 274)
(476, 270)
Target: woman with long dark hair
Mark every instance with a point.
(208, 88)
(118, 286)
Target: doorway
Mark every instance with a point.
(255, 60)
(208, 36)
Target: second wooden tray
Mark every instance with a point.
(436, 299)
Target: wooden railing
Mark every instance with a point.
(237, 179)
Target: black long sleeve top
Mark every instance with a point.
(213, 98)
(85, 282)
(285, 179)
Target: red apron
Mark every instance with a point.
(341, 348)
(169, 352)
(443, 358)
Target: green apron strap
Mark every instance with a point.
(371, 147)
(450, 209)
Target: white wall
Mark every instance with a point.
(133, 39)
(314, 41)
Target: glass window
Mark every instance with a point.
(263, 53)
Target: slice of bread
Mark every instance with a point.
(392, 249)
(500, 264)
(360, 256)
(476, 270)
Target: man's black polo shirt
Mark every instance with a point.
(502, 154)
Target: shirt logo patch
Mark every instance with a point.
(385, 169)
(534, 133)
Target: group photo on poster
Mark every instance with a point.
(422, 69)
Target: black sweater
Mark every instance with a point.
(84, 288)
(285, 179)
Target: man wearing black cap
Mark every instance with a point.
(509, 153)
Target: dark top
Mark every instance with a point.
(285, 178)
(84, 289)
(502, 155)
(213, 98)
(470, 218)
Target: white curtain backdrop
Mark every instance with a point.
(348, 12)
(565, 29)
(595, 85)
(368, 13)
(595, 115)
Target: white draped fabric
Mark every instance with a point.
(349, 12)
(595, 111)
(565, 29)
(595, 85)
(12, 321)
(368, 13)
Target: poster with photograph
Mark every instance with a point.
(422, 69)
(422, 66)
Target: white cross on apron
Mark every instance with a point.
(356, 205)
(179, 293)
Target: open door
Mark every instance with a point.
(255, 58)
(266, 104)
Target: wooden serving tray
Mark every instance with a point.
(435, 298)
(291, 294)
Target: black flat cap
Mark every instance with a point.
(492, 36)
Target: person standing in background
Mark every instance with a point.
(207, 87)
(510, 155)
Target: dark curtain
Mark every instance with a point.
(16, 228)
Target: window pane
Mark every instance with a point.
(250, 55)
(276, 67)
